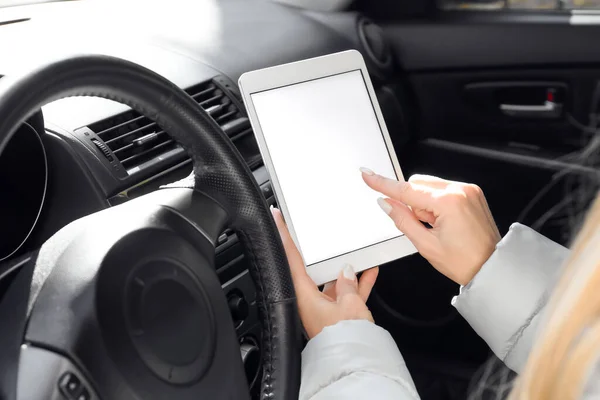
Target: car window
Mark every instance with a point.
(9, 3)
(542, 5)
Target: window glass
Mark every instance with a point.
(519, 4)
(581, 4)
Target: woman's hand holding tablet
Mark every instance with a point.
(341, 300)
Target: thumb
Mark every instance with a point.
(346, 283)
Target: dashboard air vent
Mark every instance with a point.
(220, 107)
(133, 138)
(136, 140)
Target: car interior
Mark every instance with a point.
(137, 254)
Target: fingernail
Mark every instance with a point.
(366, 171)
(348, 272)
(385, 206)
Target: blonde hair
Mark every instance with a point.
(568, 348)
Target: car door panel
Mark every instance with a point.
(457, 136)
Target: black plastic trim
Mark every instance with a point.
(513, 158)
(474, 40)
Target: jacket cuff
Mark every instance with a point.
(348, 347)
(504, 300)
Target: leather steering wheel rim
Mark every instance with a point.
(219, 172)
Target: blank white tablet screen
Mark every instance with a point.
(318, 134)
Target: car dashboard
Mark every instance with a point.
(100, 153)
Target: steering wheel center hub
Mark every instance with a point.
(169, 320)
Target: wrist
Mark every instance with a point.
(477, 264)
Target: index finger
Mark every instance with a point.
(302, 282)
(428, 180)
(411, 194)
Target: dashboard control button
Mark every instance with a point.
(70, 385)
(267, 190)
(238, 306)
(84, 395)
(104, 149)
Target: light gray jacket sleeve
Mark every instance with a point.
(354, 360)
(505, 300)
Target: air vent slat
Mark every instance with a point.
(203, 93)
(104, 133)
(241, 134)
(226, 115)
(130, 161)
(123, 136)
(214, 110)
(136, 140)
(117, 152)
(233, 127)
(213, 99)
(217, 111)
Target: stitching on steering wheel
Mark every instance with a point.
(262, 303)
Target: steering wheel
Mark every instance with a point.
(126, 303)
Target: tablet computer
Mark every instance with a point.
(317, 122)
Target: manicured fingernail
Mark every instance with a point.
(385, 206)
(366, 171)
(348, 272)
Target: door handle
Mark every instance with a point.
(547, 110)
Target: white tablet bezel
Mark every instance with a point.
(302, 71)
